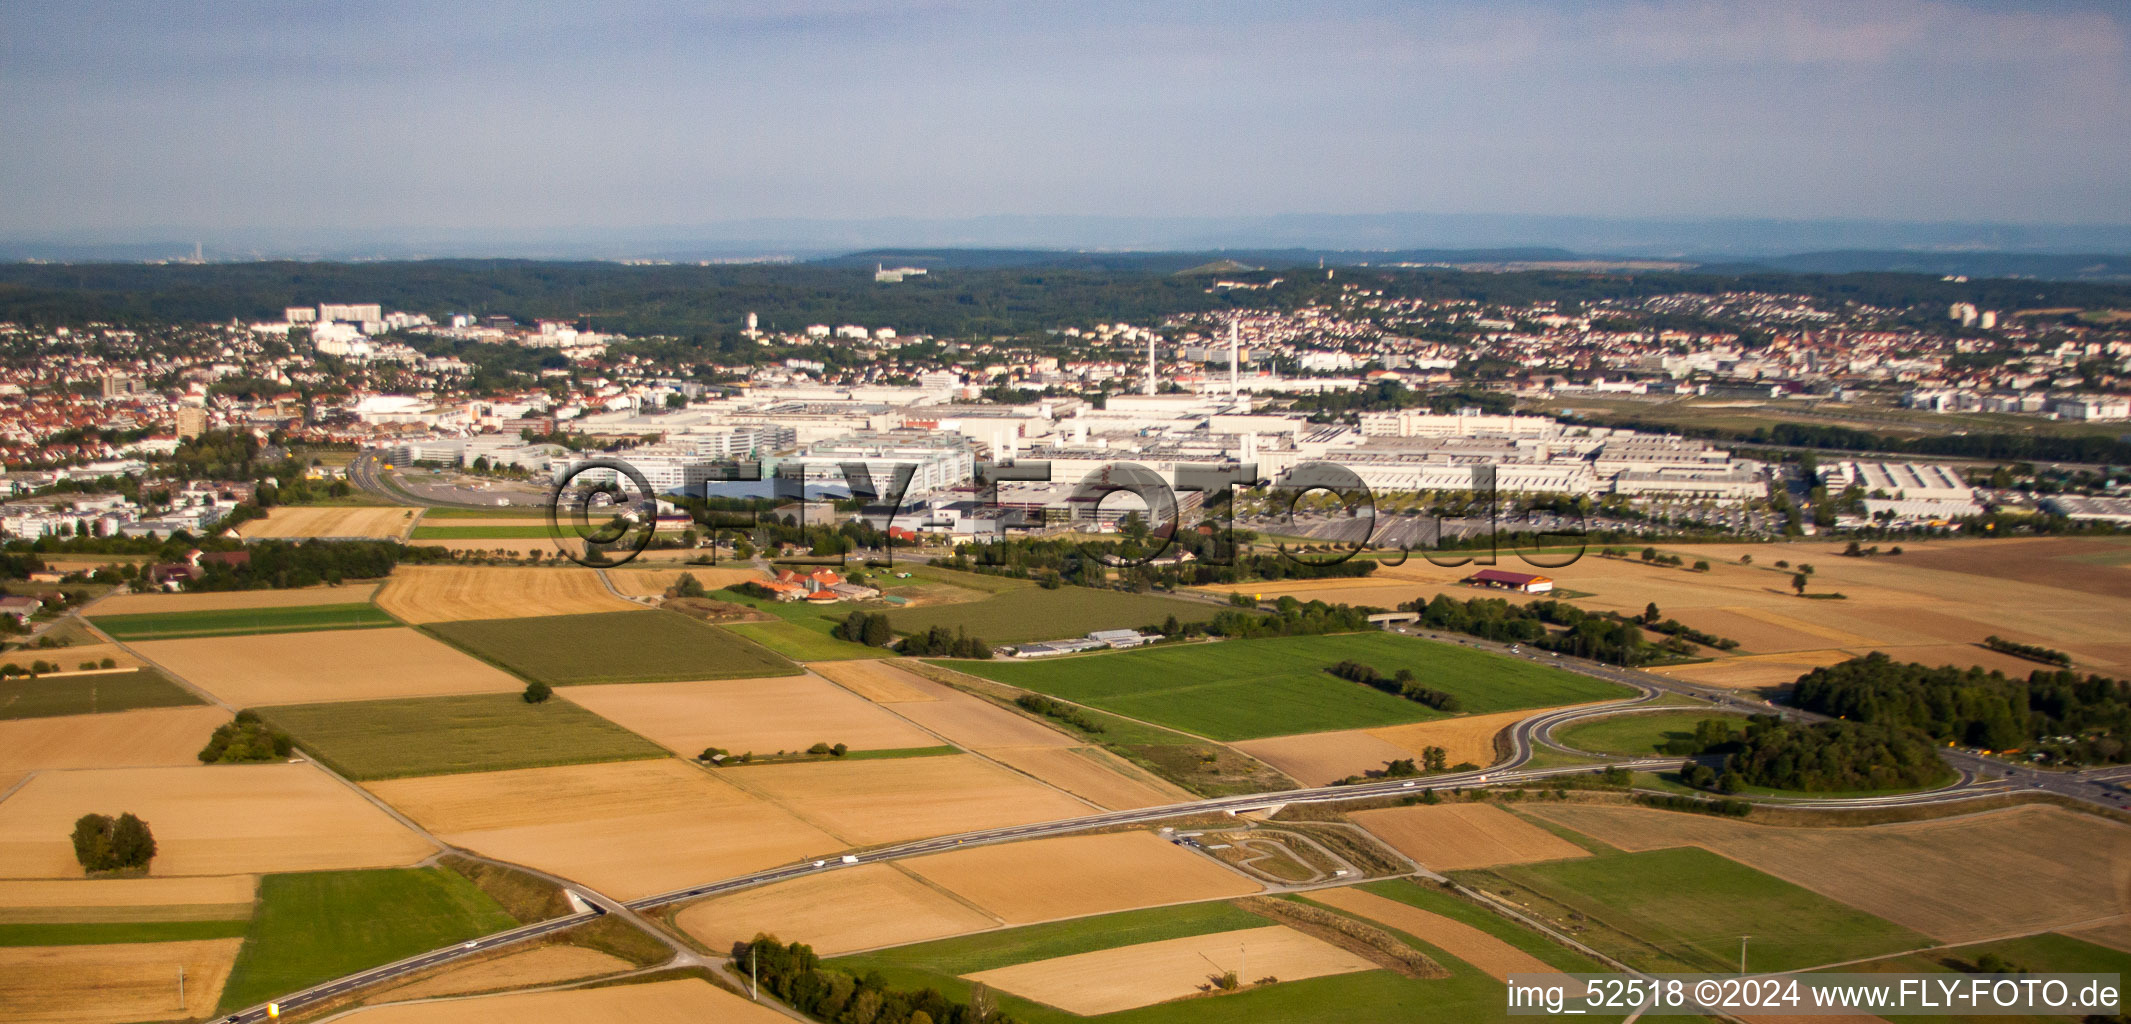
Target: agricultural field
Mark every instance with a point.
(390, 739)
(1455, 836)
(1247, 689)
(1685, 908)
(799, 643)
(527, 968)
(1076, 876)
(227, 600)
(760, 715)
(1638, 733)
(1091, 774)
(613, 647)
(1487, 952)
(1956, 879)
(334, 665)
(500, 530)
(626, 828)
(865, 907)
(449, 593)
(89, 693)
(208, 820)
(1321, 758)
(881, 682)
(242, 621)
(337, 522)
(127, 900)
(1033, 613)
(637, 582)
(376, 917)
(656, 1002)
(123, 739)
(864, 803)
(1142, 974)
(112, 984)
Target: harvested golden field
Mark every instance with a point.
(113, 983)
(1076, 876)
(888, 801)
(1491, 956)
(1092, 774)
(1123, 977)
(628, 829)
(208, 820)
(1450, 836)
(452, 593)
(976, 723)
(170, 898)
(224, 600)
(653, 582)
(680, 1001)
(71, 658)
(2013, 871)
(121, 739)
(835, 912)
(540, 965)
(509, 547)
(762, 715)
(878, 681)
(289, 522)
(329, 665)
(1754, 671)
(1320, 758)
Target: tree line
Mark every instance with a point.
(1821, 757)
(1402, 684)
(794, 974)
(2066, 717)
(246, 739)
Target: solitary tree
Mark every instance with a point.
(1798, 583)
(1650, 612)
(877, 632)
(537, 692)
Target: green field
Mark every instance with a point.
(319, 925)
(1033, 613)
(244, 621)
(99, 933)
(519, 532)
(1685, 909)
(1245, 689)
(477, 514)
(1638, 733)
(799, 643)
(1366, 997)
(45, 697)
(613, 647)
(389, 739)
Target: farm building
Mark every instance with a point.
(1121, 638)
(1506, 580)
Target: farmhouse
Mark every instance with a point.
(1506, 580)
(20, 607)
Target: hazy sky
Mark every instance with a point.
(355, 116)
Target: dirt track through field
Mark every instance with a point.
(1452, 836)
(2022, 869)
(454, 593)
(1109, 980)
(115, 983)
(208, 820)
(1491, 956)
(837, 912)
(328, 665)
(1077, 876)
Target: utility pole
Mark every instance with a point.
(1242, 967)
(1742, 953)
(181, 986)
(754, 974)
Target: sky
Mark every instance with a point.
(125, 120)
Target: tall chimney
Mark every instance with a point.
(1150, 363)
(1234, 384)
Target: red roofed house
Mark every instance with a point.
(1519, 581)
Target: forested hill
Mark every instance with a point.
(964, 297)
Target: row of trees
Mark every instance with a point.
(1403, 684)
(2068, 718)
(794, 974)
(279, 565)
(1822, 757)
(104, 843)
(937, 642)
(2032, 652)
(1602, 636)
(1037, 703)
(861, 627)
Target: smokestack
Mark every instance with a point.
(1150, 363)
